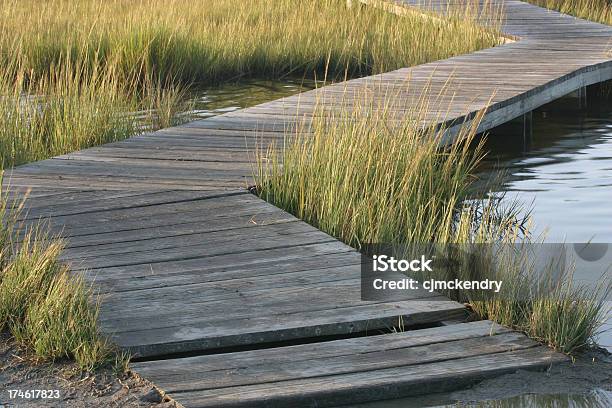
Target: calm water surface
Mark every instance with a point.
(232, 97)
(562, 172)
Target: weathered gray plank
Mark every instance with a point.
(244, 266)
(207, 334)
(254, 372)
(396, 382)
(200, 365)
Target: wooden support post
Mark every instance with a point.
(527, 130)
(582, 97)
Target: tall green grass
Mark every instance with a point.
(544, 301)
(366, 176)
(71, 72)
(595, 10)
(49, 311)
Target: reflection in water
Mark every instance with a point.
(563, 171)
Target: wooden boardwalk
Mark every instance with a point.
(189, 261)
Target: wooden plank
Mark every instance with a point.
(173, 226)
(77, 204)
(396, 382)
(156, 370)
(227, 289)
(205, 248)
(232, 238)
(253, 372)
(207, 334)
(245, 265)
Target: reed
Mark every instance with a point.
(73, 107)
(49, 311)
(208, 41)
(363, 181)
(594, 10)
(544, 301)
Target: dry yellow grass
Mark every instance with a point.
(595, 10)
(211, 40)
(48, 310)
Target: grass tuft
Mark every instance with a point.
(594, 10)
(47, 309)
(567, 318)
(75, 107)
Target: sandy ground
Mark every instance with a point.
(102, 389)
(589, 372)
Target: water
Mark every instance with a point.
(563, 172)
(595, 399)
(231, 97)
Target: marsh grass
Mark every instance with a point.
(48, 310)
(79, 73)
(568, 317)
(594, 10)
(360, 181)
(544, 301)
(74, 107)
(366, 176)
(208, 41)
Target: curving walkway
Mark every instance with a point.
(189, 261)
